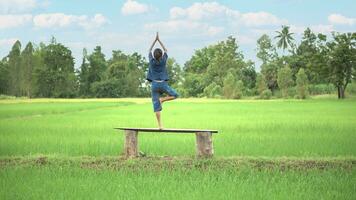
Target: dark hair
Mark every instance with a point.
(157, 53)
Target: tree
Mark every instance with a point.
(311, 56)
(342, 60)
(269, 72)
(302, 84)
(260, 84)
(285, 80)
(212, 63)
(84, 83)
(15, 71)
(4, 76)
(284, 37)
(28, 65)
(248, 75)
(123, 78)
(174, 72)
(213, 90)
(57, 76)
(266, 52)
(97, 66)
(232, 88)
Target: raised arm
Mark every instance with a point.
(153, 43)
(164, 48)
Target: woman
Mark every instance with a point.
(158, 76)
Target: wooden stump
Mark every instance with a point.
(204, 144)
(130, 148)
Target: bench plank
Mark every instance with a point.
(166, 130)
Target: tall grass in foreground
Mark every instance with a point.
(77, 183)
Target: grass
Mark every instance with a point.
(254, 140)
(277, 128)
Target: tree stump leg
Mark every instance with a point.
(130, 148)
(204, 144)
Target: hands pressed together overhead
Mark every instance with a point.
(159, 41)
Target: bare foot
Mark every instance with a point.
(160, 128)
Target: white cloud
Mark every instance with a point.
(184, 27)
(214, 30)
(8, 41)
(17, 6)
(211, 19)
(319, 28)
(261, 19)
(132, 7)
(199, 11)
(13, 21)
(216, 11)
(21, 6)
(322, 28)
(61, 20)
(340, 19)
(246, 39)
(297, 29)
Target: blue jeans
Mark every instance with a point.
(157, 89)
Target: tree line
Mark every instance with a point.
(217, 71)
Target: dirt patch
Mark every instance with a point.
(182, 163)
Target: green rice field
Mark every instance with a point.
(265, 149)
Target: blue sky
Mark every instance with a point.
(184, 26)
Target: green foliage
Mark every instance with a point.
(57, 77)
(352, 88)
(342, 60)
(15, 71)
(269, 72)
(311, 55)
(28, 66)
(174, 73)
(4, 77)
(97, 64)
(266, 52)
(213, 63)
(316, 89)
(213, 91)
(83, 76)
(302, 84)
(285, 38)
(260, 84)
(232, 88)
(266, 94)
(48, 70)
(107, 88)
(285, 80)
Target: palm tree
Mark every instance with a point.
(284, 38)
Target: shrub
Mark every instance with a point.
(107, 88)
(213, 90)
(266, 94)
(302, 84)
(351, 88)
(238, 92)
(260, 84)
(232, 89)
(285, 80)
(321, 89)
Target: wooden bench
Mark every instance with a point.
(204, 142)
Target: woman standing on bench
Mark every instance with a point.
(158, 76)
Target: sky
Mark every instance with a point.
(184, 26)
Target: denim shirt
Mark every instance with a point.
(157, 70)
